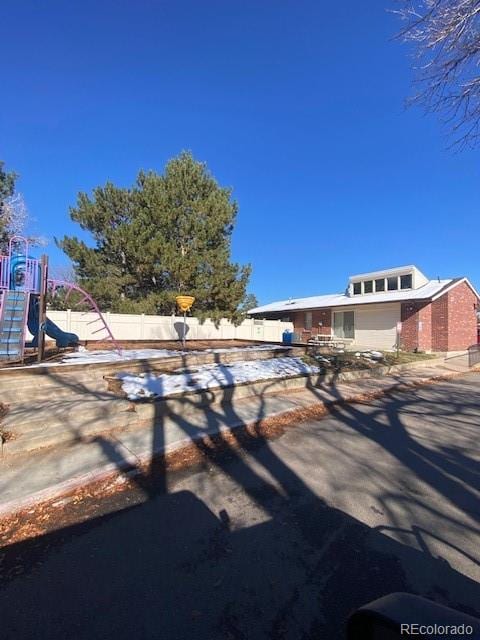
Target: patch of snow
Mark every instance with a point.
(84, 356)
(89, 357)
(372, 355)
(211, 375)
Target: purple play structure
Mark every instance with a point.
(23, 283)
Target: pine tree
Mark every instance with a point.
(168, 234)
(250, 302)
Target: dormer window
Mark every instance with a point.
(387, 281)
(392, 283)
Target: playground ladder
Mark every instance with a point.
(13, 315)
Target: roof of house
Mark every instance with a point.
(431, 290)
(384, 272)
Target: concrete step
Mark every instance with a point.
(17, 397)
(63, 422)
(58, 435)
(154, 421)
(67, 412)
(55, 381)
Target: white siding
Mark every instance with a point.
(376, 326)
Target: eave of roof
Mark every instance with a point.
(431, 290)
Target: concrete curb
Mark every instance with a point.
(132, 463)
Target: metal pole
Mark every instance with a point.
(184, 327)
(42, 307)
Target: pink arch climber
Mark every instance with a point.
(53, 285)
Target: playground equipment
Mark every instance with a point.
(184, 303)
(24, 285)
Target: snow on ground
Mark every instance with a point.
(83, 356)
(211, 375)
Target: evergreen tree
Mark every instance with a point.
(250, 302)
(169, 234)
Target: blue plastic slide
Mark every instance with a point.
(62, 338)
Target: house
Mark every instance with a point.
(429, 315)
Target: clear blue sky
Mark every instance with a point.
(296, 104)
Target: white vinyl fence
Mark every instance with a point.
(145, 327)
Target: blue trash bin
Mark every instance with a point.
(287, 337)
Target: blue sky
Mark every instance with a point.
(298, 105)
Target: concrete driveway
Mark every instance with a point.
(281, 541)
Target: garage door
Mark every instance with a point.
(376, 326)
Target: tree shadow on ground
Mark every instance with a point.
(171, 568)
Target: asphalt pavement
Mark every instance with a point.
(281, 541)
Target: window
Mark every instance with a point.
(344, 324)
(380, 284)
(357, 288)
(308, 320)
(392, 283)
(368, 286)
(406, 281)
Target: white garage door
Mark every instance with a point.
(376, 326)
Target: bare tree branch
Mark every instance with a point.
(15, 219)
(446, 39)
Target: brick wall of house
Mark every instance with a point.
(425, 327)
(408, 317)
(440, 324)
(416, 320)
(318, 315)
(325, 317)
(462, 320)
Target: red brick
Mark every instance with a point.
(318, 315)
(462, 318)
